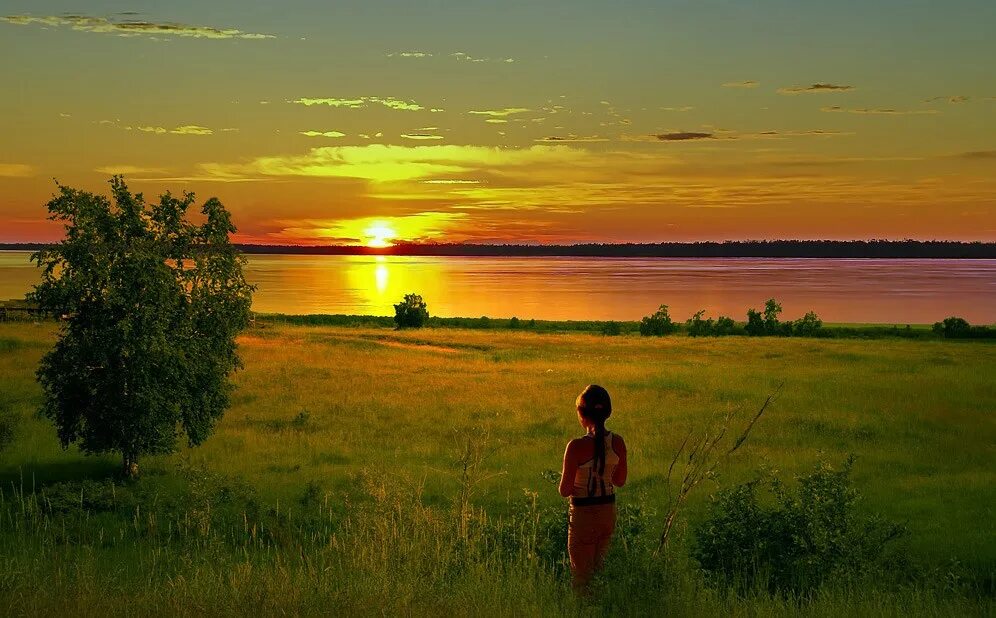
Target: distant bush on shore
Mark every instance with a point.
(411, 312)
(658, 323)
(959, 328)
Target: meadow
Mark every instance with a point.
(368, 470)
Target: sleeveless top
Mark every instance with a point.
(588, 482)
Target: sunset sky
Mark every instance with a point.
(375, 122)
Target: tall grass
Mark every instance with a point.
(336, 482)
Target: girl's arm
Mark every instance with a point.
(569, 471)
(619, 474)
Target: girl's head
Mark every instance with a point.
(594, 407)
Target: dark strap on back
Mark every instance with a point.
(592, 500)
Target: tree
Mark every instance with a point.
(808, 325)
(151, 304)
(658, 323)
(411, 312)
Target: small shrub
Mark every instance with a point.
(611, 329)
(794, 541)
(411, 312)
(514, 322)
(807, 326)
(658, 323)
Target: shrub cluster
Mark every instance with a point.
(794, 540)
(959, 328)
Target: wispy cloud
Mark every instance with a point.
(410, 54)
(955, 98)
(683, 108)
(885, 111)
(507, 111)
(132, 27)
(570, 137)
(388, 163)
(421, 136)
(815, 89)
(388, 102)
(978, 155)
(468, 58)
(749, 83)
(191, 129)
(16, 170)
(322, 133)
(725, 135)
(128, 170)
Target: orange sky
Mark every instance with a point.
(531, 122)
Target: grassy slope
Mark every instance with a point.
(919, 415)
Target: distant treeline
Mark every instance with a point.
(729, 249)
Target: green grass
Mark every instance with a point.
(374, 420)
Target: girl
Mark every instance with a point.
(594, 466)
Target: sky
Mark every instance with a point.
(379, 122)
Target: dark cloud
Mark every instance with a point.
(815, 88)
(684, 136)
(977, 154)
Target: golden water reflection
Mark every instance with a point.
(885, 291)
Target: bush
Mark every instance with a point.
(796, 540)
(808, 325)
(412, 312)
(658, 324)
(725, 326)
(611, 329)
(959, 328)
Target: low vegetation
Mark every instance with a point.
(374, 471)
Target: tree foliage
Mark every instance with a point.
(658, 323)
(411, 312)
(151, 304)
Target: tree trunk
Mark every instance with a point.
(130, 467)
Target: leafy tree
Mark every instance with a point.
(772, 308)
(658, 323)
(151, 304)
(697, 327)
(755, 323)
(412, 312)
(725, 326)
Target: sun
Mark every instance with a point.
(379, 235)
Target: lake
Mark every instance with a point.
(839, 290)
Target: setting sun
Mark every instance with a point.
(379, 235)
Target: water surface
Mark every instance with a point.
(839, 290)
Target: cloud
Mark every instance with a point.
(410, 54)
(416, 227)
(129, 27)
(957, 98)
(388, 163)
(977, 155)
(570, 137)
(388, 102)
(684, 108)
(191, 129)
(725, 135)
(322, 133)
(887, 111)
(187, 129)
(507, 111)
(815, 88)
(469, 58)
(128, 170)
(682, 136)
(750, 83)
(496, 120)
(420, 136)
(16, 170)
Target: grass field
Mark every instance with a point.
(332, 422)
